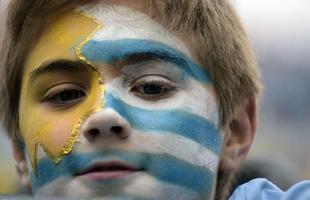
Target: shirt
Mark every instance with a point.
(262, 189)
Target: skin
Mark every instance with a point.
(146, 82)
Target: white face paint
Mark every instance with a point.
(193, 96)
(121, 22)
(156, 136)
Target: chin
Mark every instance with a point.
(140, 187)
(64, 187)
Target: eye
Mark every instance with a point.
(64, 95)
(153, 87)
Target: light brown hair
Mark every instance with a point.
(215, 30)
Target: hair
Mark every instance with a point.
(214, 29)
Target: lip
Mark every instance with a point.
(108, 170)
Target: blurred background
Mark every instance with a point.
(280, 33)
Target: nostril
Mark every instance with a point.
(116, 129)
(120, 131)
(93, 133)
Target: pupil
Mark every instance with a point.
(152, 89)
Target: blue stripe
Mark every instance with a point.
(164, 167)
(179, 122)
(115, 50)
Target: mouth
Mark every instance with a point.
(111, 170)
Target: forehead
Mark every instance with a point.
(64, 37)
(121, 22)
(60, 38)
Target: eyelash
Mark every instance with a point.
(150, 88)
(56, 99)
(165, 88)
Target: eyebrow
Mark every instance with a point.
(111, 51)
(148, 56)
(57, 65)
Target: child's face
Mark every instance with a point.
(140, 123)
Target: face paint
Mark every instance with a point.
(55, 137)
(175, 138)
(162, 166)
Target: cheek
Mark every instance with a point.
(58, 137)
(200, 99)
(177, 130)
(56, 131)
(194, 116)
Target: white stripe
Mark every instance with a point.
(141, 185)
(193, 97)
(124, 23)
(159, 143)
(149, 187)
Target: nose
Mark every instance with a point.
(105, 123)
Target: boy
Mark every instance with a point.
(128, 99)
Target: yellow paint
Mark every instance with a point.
(80, 47)
(57, 130)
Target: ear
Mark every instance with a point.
(21, 164)
(239, 135)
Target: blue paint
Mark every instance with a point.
(164, 167)
(116, 50)
(175, 121)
